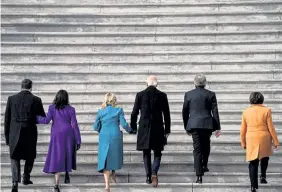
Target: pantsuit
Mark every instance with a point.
(148, 161)
(253, 170)
(16, 169)
(201, 144)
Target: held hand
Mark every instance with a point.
(217, 133)
(77, 147)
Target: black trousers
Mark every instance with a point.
(201, 144)
(148, 161)
(253, 170)
(16, 169)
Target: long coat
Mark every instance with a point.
(258, 132)
(110, 150)
(200, 110)
(20, 124)
(155, 119)
(65, 136)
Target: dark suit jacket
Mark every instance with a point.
(200, 110)
(20, 124)
(155, 120)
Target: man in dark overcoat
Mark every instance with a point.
(201, 118)
(21, 131)
(154, 126)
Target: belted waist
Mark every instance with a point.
(258, 128)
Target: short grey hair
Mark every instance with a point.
(152, 81)
(200, 80)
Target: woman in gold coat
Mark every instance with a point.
(258, 135)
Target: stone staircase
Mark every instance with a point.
(92, 47)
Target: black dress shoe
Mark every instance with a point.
(56, 188)
(206, 169)
(67, 178)
(253, 189)
(263, 180)
(149, 179)
(199, 180)
(27, 182)
(15, 187)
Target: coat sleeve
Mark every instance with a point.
(7, 120)
(123, 122)
(272, 129)
(135, 113)
(243, 131)
(43, 119)
(96, 123)
(75, 127)
(185, 111)
(215, 112)
(166, 113)
(39, 110)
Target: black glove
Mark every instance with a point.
(77, 147)
(133, 132)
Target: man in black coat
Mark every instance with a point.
(21, 131)
(154, 126)
(201, 118)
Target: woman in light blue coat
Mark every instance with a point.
(110, 151)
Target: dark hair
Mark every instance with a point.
(256, 98)
(62, 99)
(26, 84)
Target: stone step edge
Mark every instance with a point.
(270, 22)
(140, 14)
(122, 173)
(164, 4)
(240, 42)
(166, 152)
(183, 72)
(102, 91)
(142, 33)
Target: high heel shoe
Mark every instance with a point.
(56, 188)
(253, 189)
(67, 178)
(199, 180)
(113, 176)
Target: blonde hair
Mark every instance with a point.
(109, 99)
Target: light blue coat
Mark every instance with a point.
(110, 150)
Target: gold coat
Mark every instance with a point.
(258, 134)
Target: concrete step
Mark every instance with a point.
(135, 15)
(91, 135)
(142, 56)
(134, 177)
(139, 37)
(87, 76)
(69, 67)
(90, 167)
(174, 104)
(168, 156)
(139, 47)
(137, 27)
(137, 187)
(218, 145)
(121, 3)
(131, 94)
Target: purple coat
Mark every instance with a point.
(65, 135)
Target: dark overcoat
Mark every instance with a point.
(154, 121)
(20, 124)
(200, 110)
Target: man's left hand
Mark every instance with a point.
(217, 133)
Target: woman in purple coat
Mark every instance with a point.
(65, 137)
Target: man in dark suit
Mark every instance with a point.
(154, 126)
(21, 131)
(201, 118)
